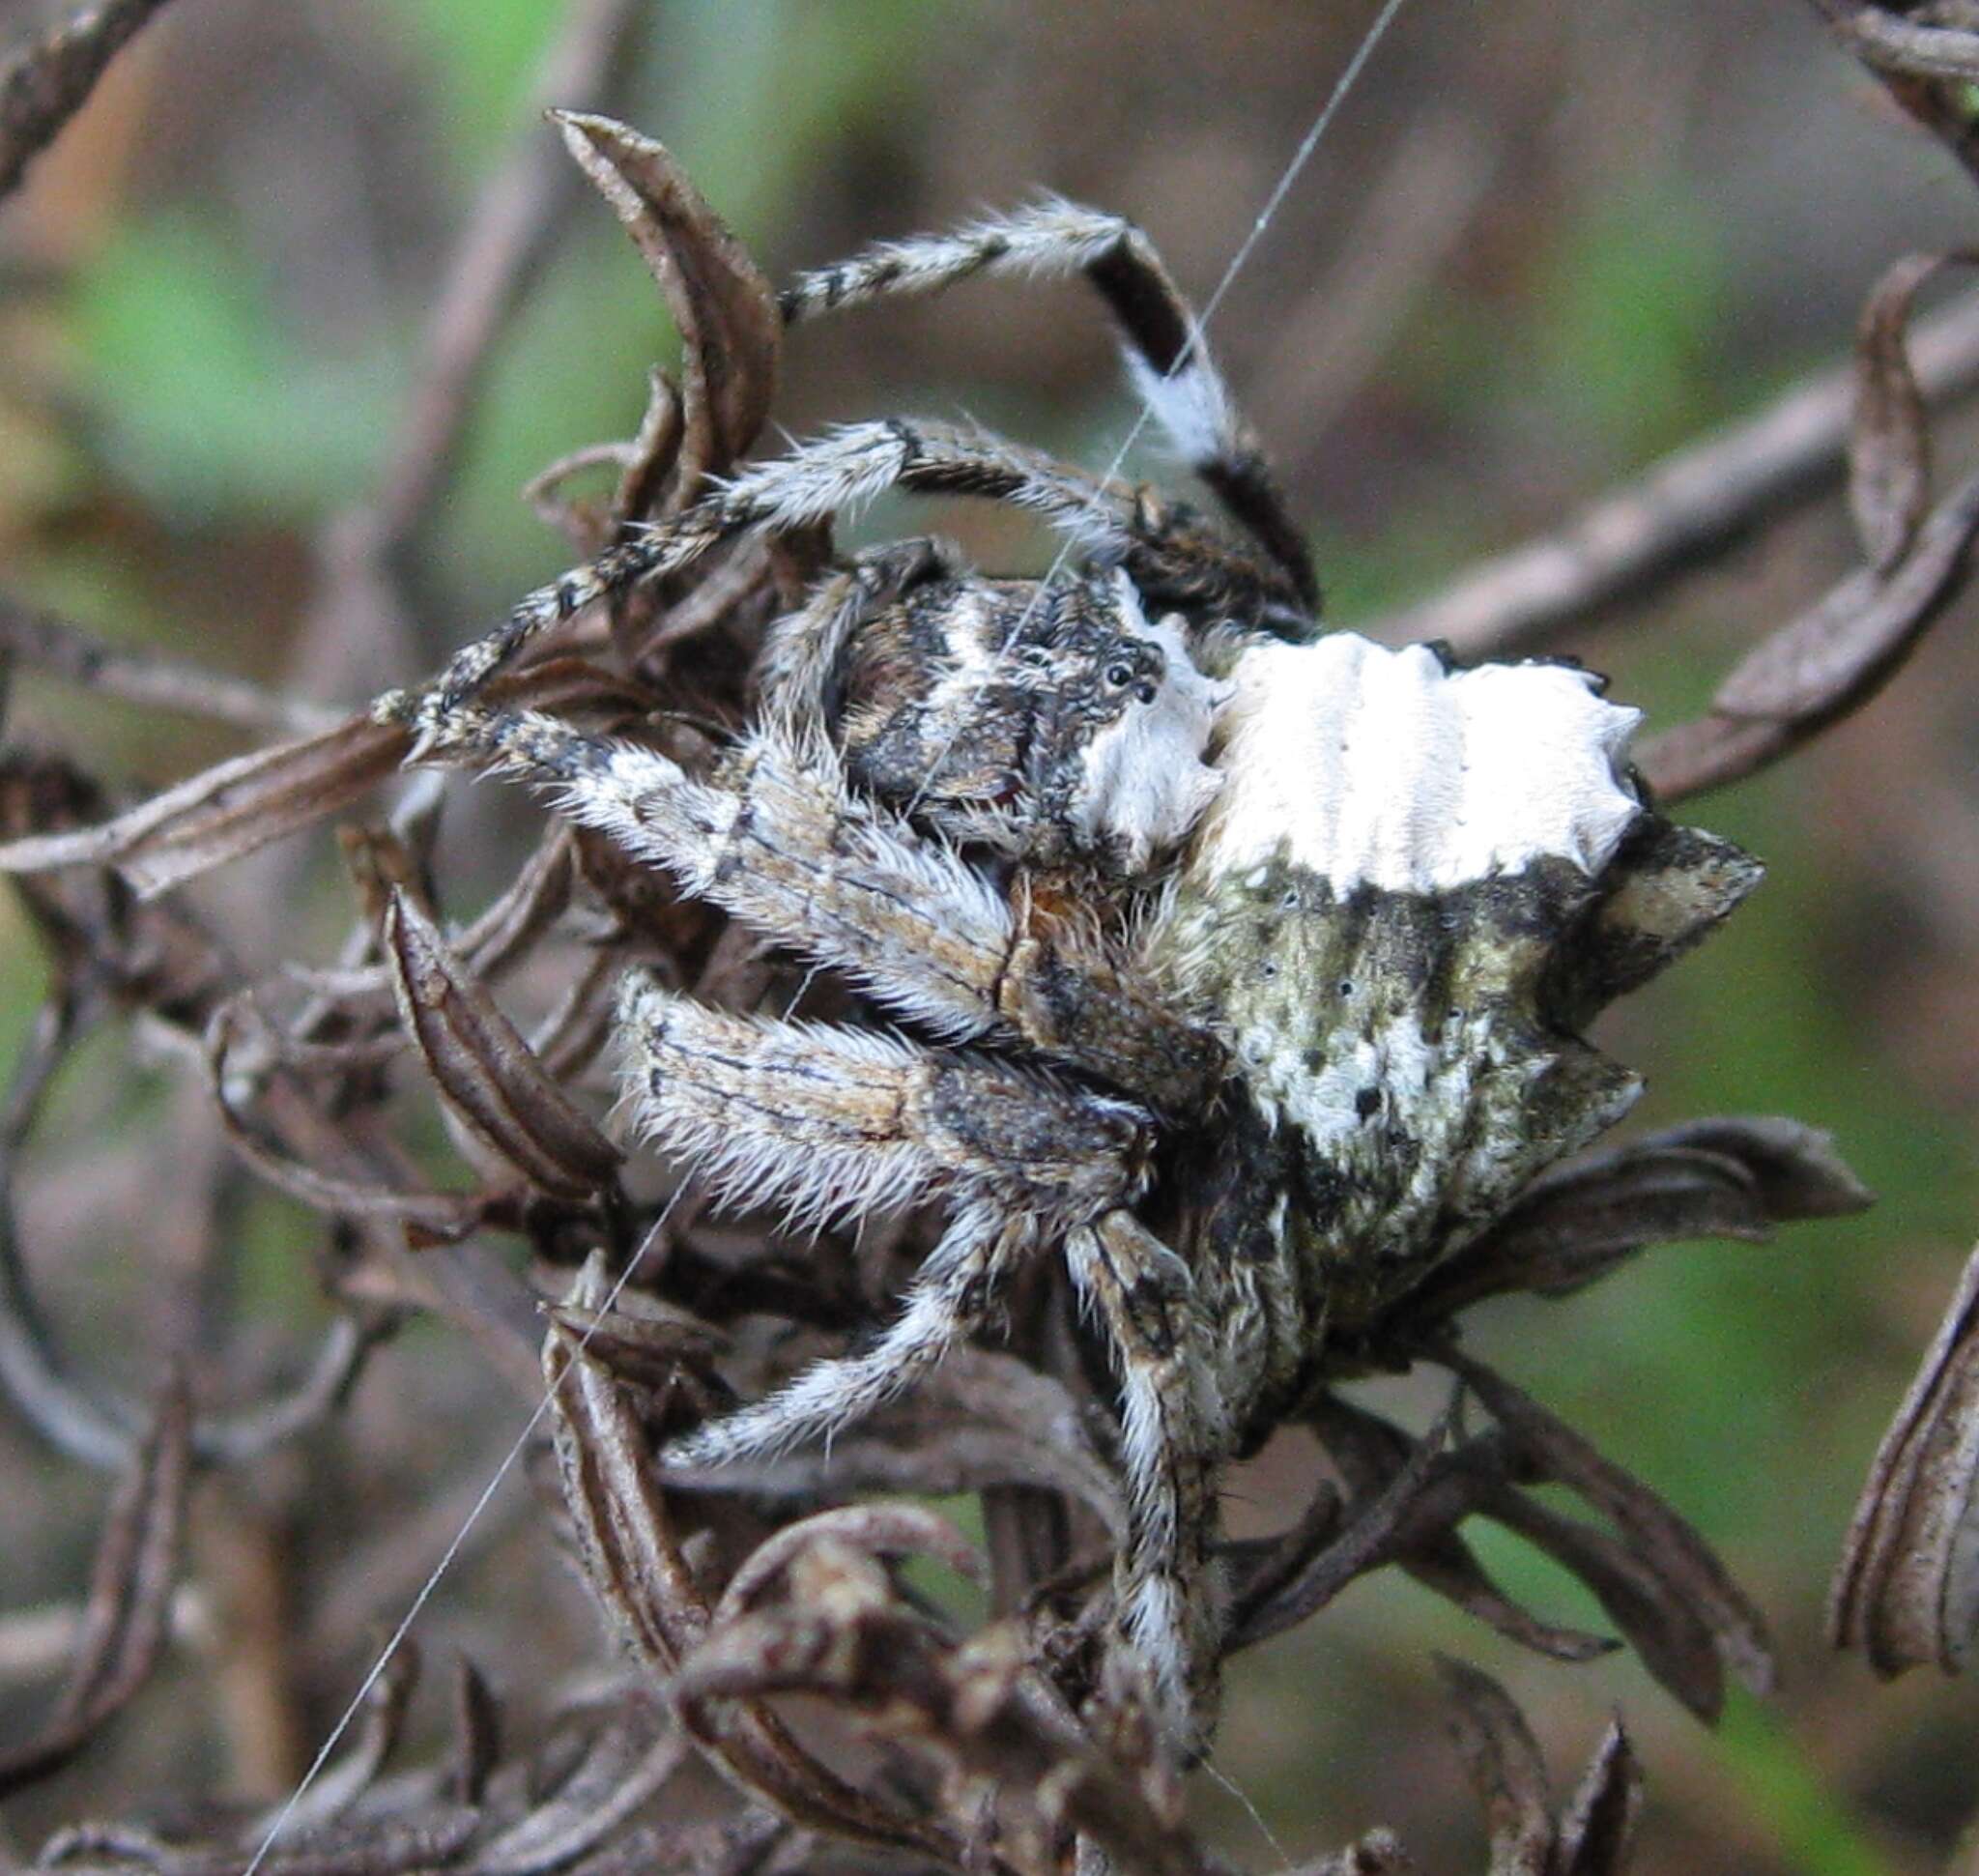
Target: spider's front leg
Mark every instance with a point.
(1159, 334)
(831, 475)
(833, 1122)
(830, 1123)
(776, 838)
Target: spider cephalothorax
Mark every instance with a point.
(1242, 967)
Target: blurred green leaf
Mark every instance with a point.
(478, 57)
(211, 409)
(1791, 1796)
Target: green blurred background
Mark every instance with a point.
(1542, 243)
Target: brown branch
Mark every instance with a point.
(44, 85)
(51, 644)
(1694, 504)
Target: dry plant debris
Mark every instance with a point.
(747, 1600)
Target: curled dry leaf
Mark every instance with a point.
(1889, 452)
(871, 1530)
(1505, 1768)
(634, 1562)
(442, 1215)
(1372, 1453)
(125, 1618)
(1597, 1828)
(235, 807)
(380, 1729)
(1731, 1177)
(1830, 660)
(1660, 1542)
(843, 1633)
(1667, 1632)
(476, 1734)
(1590, 1837)
(1907, 1588)
(1883, 38)
(484, 1071)
(1838, 654)
(1287, 1592)
(726, 313)
(226, 811)
(626, 1765)
(1796, 1171)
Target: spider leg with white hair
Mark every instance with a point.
(1170, 556)
(1169, 1601)
(839, 1123)
(776, 838)
(1162, 340)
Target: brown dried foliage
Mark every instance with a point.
(747, 1602)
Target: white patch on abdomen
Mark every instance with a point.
(1378, 767)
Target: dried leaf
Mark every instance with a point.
(1370, 1453)
(1829, 661)
(624, 1768)
(1668, 1546)
(444, 1214)
(872, 1530)
(650, 460)
(476, 1735)
(1667, 1634)
(237, 806)
(1729, 1177)
(1834, 657)
(125, 1618)
(1796, 1168)
(1598, 1825)
(843, 1633)
(225, 812)
(1375, 1522)
(388, 1700)
(1889, 448)
(636, 1570)
(1907, 1587)
(484, 1071)
(1449, 1566)
(1910, 48)
(1506, 1771)
(726, 311)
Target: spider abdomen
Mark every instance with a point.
(1371, 915)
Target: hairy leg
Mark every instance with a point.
(832, 474)
(1163, 340)
(1169, 556)
(804, 653)
(841, 1122)
(777, 839)
(1174, 1436)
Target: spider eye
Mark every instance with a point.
(1120, 675)
(1144, 693)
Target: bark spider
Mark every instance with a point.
(1244, 967)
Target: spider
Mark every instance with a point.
(1243, 967)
